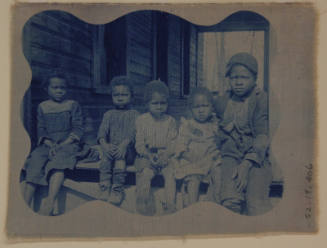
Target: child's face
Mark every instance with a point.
(158, 105)
(57, 89)
(121, 96)
(241, 80)
(201, 108)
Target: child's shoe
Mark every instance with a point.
(169, 208)
(47, 207)
(146, 205)
(104, 187)
(117, 193)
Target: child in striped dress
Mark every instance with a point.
(116, 138)
(155, 134)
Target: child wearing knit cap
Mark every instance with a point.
(245, 170)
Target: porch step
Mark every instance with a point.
(89, 172)
(96, 166)
(88, 188)
(91, 190)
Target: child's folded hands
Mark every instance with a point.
(109, 149)
(163, 158)
(48, 143)
(52, 146)
(104, 185)
(53, 150)
(241, 175)
(120, 151)
(154, 159)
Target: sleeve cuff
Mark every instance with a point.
(180, 148)
(141, 152)
(78, 132)
(41, 140)
(74, 137)
(253, 157)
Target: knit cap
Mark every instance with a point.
(245, 59)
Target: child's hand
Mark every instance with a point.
(163, 158)
(179, 153)
(48, 143)
(109, 149)
(104, 185)
(215, 155)
(68, 141)
(52, 153)
(241, 175)
(120, 151)
(154, 159)
(53, 150)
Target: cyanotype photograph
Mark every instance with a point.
(162, 120)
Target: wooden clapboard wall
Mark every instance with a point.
(182, 63)
(193, 56)
(200, 49)
(139, 53)
(143, 64)
(174, 55)
(175, 65)
(91, 55)
(55, 40)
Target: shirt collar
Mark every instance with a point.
(127, 107)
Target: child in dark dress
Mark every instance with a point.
(59, 129)
(116, 136)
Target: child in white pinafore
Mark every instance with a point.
(197, 145)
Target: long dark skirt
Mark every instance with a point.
(38, 165)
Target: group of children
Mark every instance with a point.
(222, 141)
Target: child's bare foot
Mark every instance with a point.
(104, 187)
(47, 207)
(116, 197)
(169, 207)
(181, 172)
(104, 195)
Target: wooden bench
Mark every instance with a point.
(81, 186)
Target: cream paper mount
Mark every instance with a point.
(186, 47)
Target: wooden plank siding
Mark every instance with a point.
(115, 49)
(193, 57)
(139, 53)
(174, 55)
(200, 49)
(55, 40)
(142, 60)
(177, 63)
